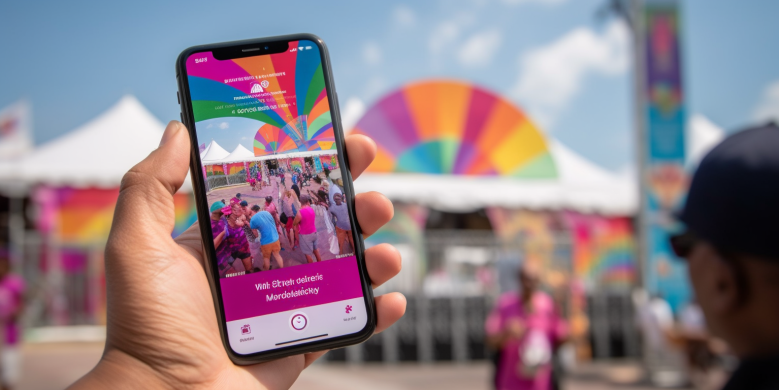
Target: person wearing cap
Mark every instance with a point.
(245, 209)
(730, 245)
(218, 227)
(306, 222)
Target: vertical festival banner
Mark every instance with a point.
(664, 178)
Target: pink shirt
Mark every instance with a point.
(543, 319)
(11, 294)
(271, 208)
(307, 219)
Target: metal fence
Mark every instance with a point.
(225, 180)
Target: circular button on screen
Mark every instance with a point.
(298, 321)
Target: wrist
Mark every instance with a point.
(118, 370)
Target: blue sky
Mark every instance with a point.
(570, 72)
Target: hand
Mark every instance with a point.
(162, 328)
(515, 328)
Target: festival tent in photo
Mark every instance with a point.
(213, 153)
(239, 154)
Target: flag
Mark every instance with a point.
(15, 130)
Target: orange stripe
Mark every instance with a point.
(262, 65)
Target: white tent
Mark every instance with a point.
(96, 154)
(581, 185)
(239, 154)
(213, 153)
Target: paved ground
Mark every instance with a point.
(55, 366)
(289, 255)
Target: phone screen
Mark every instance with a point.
(279, 219)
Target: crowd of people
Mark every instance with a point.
(253, 234)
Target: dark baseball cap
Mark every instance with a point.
(733, 201)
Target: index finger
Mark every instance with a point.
(362, 151)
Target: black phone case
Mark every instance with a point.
(203, 213)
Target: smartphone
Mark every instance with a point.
(274, 196)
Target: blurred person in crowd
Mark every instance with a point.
(161, 326)
(252, 236)
(282, 178)
(218, 224)
(305, 221)
(264, 226)
(663, 356)
(295, 188)
(290, 204)
(526, 328)
(11, 305)
(732, 222)
(245, 209)
(319, 198)
(343, 228)
(235, 237)
(274, 212)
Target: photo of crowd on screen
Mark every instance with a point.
(277, 211)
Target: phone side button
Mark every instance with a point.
(178, 99)
(182, 117)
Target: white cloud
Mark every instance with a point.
(371, 53)
(480, 48)
(443, 35)
(702, 136)
(519, 2)
(353, 110)
(768, 108)
(210, 125)
(551, 75)
(224, 125)
(374, 86)
(404, 17)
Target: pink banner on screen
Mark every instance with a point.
(296, 287)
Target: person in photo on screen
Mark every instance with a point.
(274, 212)
(235, 238)
(264, 226)
(305, 221)
(343, 227)
(289, 207)
(252, 236)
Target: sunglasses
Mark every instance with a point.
(682, 245)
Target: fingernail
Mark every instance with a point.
(173, 128)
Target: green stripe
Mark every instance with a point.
(315, 88)
(318, 123)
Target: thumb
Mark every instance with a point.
(146, 193)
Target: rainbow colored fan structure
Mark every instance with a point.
(449, 127)
(284, 92)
